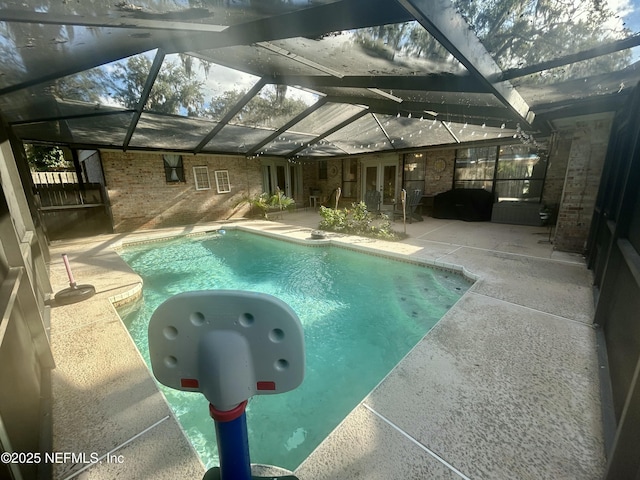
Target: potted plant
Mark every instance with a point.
(264, 203)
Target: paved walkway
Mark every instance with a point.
(504, 387)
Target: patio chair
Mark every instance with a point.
(372, 201)
(414, 197)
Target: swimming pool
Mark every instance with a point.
(360, 313)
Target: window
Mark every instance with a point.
(475, 168)
(222, 181)
(349, 177)
(520, 174)
(201, 177)
(322, 170)
(414, 171)
(173, 168)
(274, 177)
(295, 181)
(511, 172)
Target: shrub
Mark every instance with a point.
(333, 220)
(264, 203)
(357, 221)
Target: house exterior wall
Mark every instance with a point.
(560, 148)
(141, 198)
(438, 176)
(391, 157)
(439, 171)
(436, 179)
(335, 176)
(311, 180)
(589, 137)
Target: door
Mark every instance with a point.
(381, 175)
(279, 174)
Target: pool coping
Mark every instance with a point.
(347, 242)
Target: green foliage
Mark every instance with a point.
(173, 91)
(409, 39)
(90, 86)
(525, 32)
(221, 104)
(357, 221)
(42, 158)
(361, 218)
(333, 220)
(516, 33)
(269, 109)
(264, 203)
(177, 90)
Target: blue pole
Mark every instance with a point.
(233, 442)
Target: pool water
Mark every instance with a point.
(360, 313)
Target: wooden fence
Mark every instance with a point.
(69, 209)
(49, 178)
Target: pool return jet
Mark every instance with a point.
(228, 345)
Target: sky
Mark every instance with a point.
(628, 13)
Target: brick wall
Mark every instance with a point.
(439, 171)
(335, 175)
(560, 148)
(437, 179)
(589, 139)
(312, 181)
(141, 198)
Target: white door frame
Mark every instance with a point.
(386, 204)
(270, 176)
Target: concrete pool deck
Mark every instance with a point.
(505, 386)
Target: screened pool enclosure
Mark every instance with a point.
(303, 81)
(309, 79)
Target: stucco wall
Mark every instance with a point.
(141, 198)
